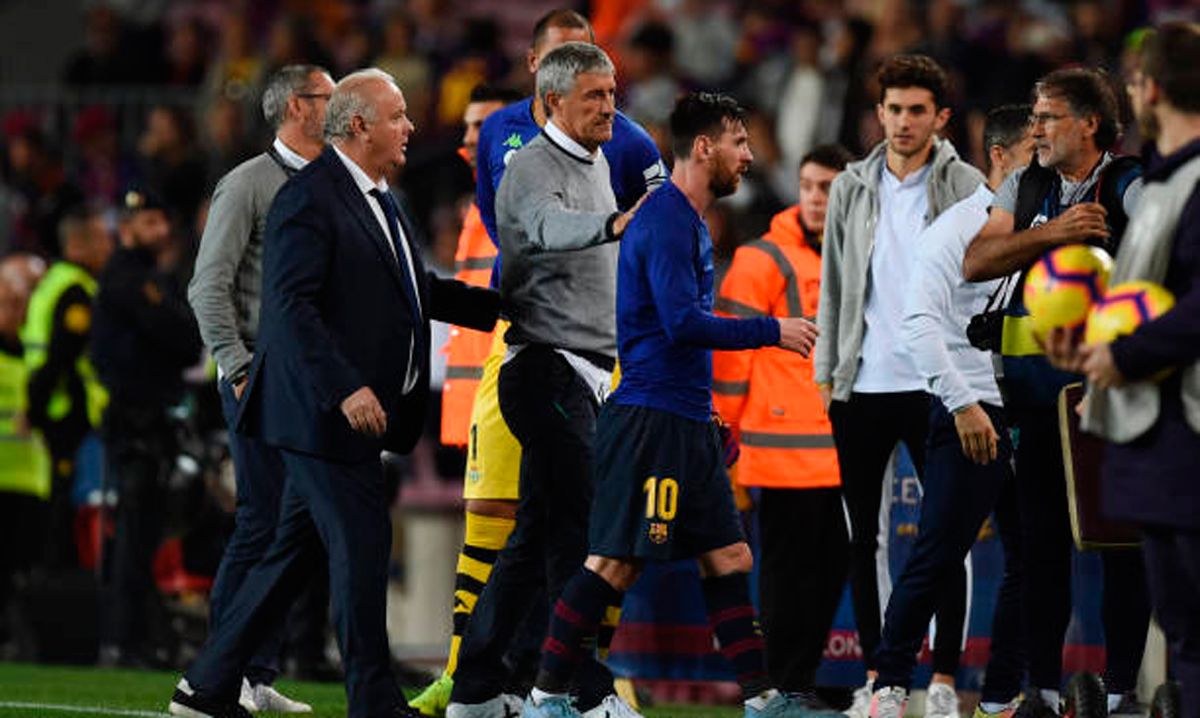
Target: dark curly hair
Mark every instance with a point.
(701, 113)
(915, 71)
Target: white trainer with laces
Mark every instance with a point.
(861, 707)
(941, 701)
(265, 698)
(613, 706)
(888, 703)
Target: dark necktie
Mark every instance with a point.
(392, 212)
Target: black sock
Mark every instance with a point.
(735, 623)
(573, 625)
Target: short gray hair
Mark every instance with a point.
(349, 100)
(287, 82)
(558, 69)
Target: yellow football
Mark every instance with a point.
(1062, 286)
(1124, 308)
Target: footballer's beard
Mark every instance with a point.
(724, 181)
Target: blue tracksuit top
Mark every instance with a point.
(666, 330)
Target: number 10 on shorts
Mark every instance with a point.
(662, 498)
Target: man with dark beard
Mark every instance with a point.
(661, 488)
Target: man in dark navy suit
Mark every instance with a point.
(341, 374)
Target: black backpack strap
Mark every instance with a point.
(995, 300)
(1036, 182)
(1110, 193)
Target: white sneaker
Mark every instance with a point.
(861, 707)
(505, 705)
(613, 706)
(941, 701)
(246, 699)
(888, 703)
(265, 698)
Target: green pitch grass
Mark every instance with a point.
(28, 691)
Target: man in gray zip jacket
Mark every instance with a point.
(872, 389)
(225, 295)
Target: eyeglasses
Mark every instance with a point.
(314, 95)
(1042, 118)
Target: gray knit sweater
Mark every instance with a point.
(226, 287)
(558, 278)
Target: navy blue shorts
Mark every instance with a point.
(661, 488)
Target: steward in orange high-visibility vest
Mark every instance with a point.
(768, 395)
(467, 348)
(769, 398)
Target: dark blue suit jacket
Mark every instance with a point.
(335, 317)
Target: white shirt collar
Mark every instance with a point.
(365, 185)
(290, 157)
(913, 179)
(564, 141)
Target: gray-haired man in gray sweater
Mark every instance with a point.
(225, 295)
(558, 221)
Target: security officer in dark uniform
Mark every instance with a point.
(143, 337)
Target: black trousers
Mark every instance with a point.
(63, 440)
(342, 507)
(22, 528)
(959, 495)
(865, 430)
(1006, 664)
(259, 472)
(553, 414)
(139, 448)
(803, 563)
(1046, 537)
(1173, 569)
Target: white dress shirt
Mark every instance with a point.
(565, 141)
(886, 365)
(289, 156)
(366, 186)
(941, 304)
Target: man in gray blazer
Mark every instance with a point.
(225, 294)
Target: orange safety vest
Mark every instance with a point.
(467, 348)
(768, 395)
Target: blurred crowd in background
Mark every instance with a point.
(167, 94)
